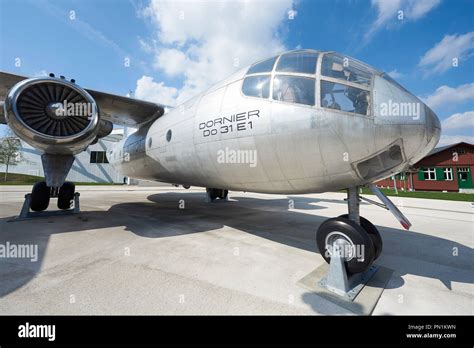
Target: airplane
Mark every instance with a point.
(316, 121)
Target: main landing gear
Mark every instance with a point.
(212, 194)
(38, 200)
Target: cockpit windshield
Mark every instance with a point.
(346, 69)
(337, 96)
(294, 89)
(343, 84)
(298, 62)
(262, 67)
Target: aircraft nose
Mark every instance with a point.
(428, 137)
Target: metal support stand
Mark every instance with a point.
(27, 214)
(337, 280)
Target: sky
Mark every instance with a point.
(168, 51)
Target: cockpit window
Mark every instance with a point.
(345, 98)
(257, 86)
(347, 69)
(298, 62)
(391, 80)
(262, 67)
(293, 89)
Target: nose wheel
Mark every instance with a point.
(350, 244)
(358, 239)
(354, 243)
(373, 233)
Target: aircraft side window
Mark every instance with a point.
(298, 62)
(256, 86)
(262, 67)
(341, 97)
(293, 89)
(346, 69)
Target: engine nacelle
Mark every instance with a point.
(53, 115)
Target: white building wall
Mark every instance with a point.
(82, 170)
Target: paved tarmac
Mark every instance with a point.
(164, 250)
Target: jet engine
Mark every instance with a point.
(57, 117)
(54, 115)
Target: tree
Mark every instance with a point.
(10, 154)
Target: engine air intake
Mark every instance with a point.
(54, 109)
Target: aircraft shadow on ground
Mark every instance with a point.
(421, 254)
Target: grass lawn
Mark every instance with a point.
(448, 196)
(23, 179)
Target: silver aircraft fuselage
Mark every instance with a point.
(225, 138)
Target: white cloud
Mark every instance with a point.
(171, 61)
(459, 121)
(145, 46)
(419, 8)
(388, 12)
(395, 74)
(446, 95)
(201, 42)
(157, 92)
(440, 58)
(454, 139)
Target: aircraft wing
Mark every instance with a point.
(114, 108)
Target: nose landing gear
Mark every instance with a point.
(350, 244)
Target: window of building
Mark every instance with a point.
(257, 86)
(341, 97)
(448, 174)
(262, 67)
(463, 173)
(293, 89)
(298, 62)
(347, 69)
(429, 174)
(459, 151)
(98, 157)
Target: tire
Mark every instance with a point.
(217, 193)
(66, 195)
(373, 233)
(223, 194)
(212, 193)
(40, 196)
(354, 235)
